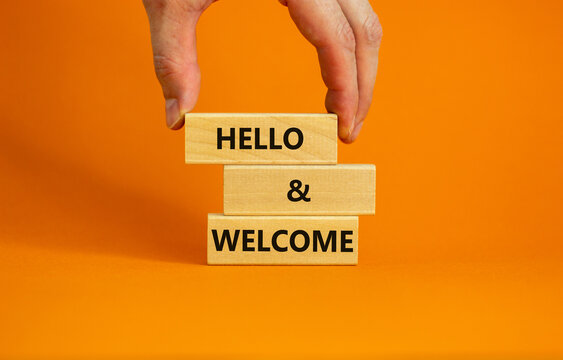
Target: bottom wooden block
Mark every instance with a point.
(282, 240)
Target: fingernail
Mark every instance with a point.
(345, 132)
(172, 113)
(356, 131)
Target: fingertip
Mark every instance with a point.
(174, 118)
(356, 131)
(345, 133)
(343, 106)
(178, 124)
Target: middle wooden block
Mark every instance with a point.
(299, 190)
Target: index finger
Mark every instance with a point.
(326, 27)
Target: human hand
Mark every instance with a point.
(346, 34)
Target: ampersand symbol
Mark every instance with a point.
(295, 186)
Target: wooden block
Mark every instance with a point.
(299, 190)
(261, 138)
(282, 240)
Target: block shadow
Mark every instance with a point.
(74, 209)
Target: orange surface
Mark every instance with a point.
(102, 225)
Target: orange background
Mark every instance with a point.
(102, 225)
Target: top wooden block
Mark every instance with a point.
(261, 138)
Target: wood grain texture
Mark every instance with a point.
(308, 240)
(332, 189)
(319, 138)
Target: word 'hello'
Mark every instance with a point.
(245, 139)
(278, 242)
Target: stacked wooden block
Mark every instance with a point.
(286, 201)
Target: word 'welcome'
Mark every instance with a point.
(282, 240)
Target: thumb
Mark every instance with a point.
(173, 37)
